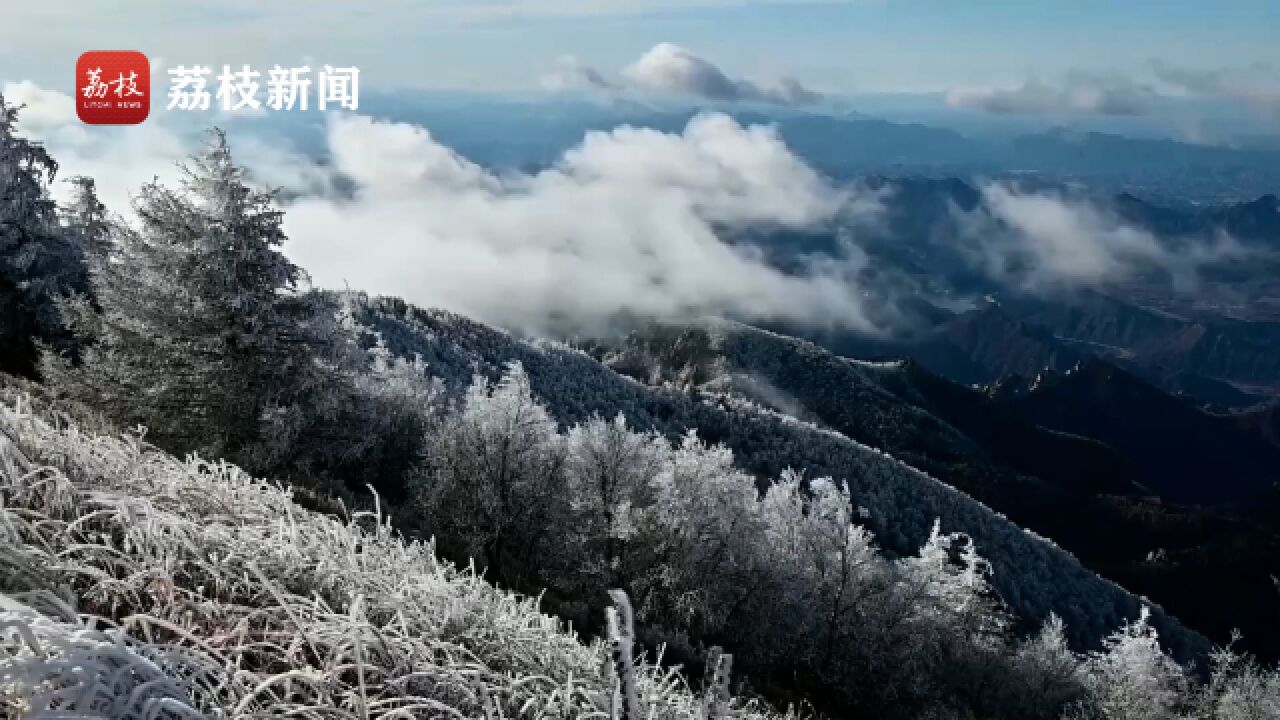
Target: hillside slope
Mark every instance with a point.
(1034, 576)
(138, 585)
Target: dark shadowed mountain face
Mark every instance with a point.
(1256, 220)
(1182, 453)
(948, 429)
(1186, 436)
(996, 340)
(993, 341)
(988, 343)
(1032, 450)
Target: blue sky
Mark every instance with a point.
(837, 46)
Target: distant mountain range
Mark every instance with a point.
(1254, 220)
(1166, 406)
(1218, 344)
(1225, 349)
(1197, 360)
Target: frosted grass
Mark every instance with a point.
(138, 585)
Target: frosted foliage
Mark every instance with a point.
(201, 336)
(137, 585)
(792, 579)
(39, 262)
(1132, 679)
(26, 211)
(85, 221)
(496, 468)
(1033, 576)
(611, 471)
(949, 572)
(704, 520)
(1240, 690)
(611, 478)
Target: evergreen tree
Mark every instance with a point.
(203, 335)
(37, 264)
(85, 222)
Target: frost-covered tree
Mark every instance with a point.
(1239, 689)
(1043, 674)
(845, 563)
(792, 582)
(402, 402)
(85, 221)
(1032, 576)
(790, 550)
(950, 574)
(204, 336)
(701, 530)
(495, 476)
(37, 263)
(611, 476)
(1132, 678)
(826, 568)
(364, 420)
(943, 621)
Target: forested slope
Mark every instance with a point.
(1033, 575)
(1061, 455)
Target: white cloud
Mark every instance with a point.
(570, 74)
(42, 110)
(1054, 242)
(669, 68)
(121, 159)
(1076, 93)
(1256, 86)
(630, 221)
(627, 222)
(1045, 243)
